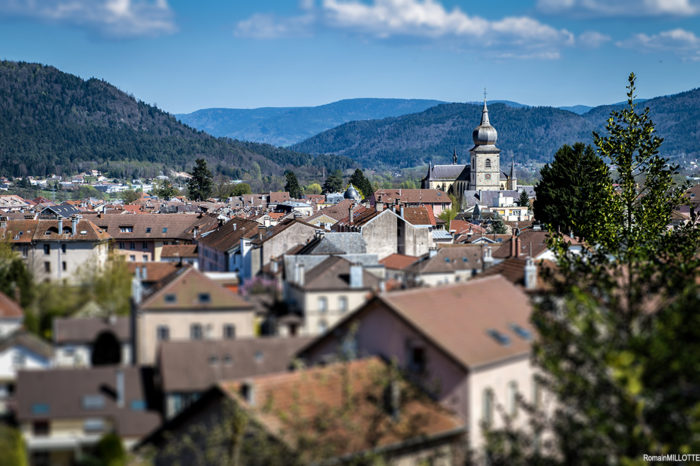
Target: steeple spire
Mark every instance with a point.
(485, 113)
(454, 156)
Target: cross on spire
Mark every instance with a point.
(484, 94)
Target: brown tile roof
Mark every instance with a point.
(189, 288)
(450, 259)
(86, 330)
(9, 309)
(279, 228)
(513, 270)
(529, 243)
(278, 197)
(192, 366)
(361, 216)
(419, 215)
(154, 226)
(398, 261)
(178, 250)
(334, 274)
(458, 318)
(463, 227)
(26, 231)
(229, 235)
(312, 393)
(155, 271)
(64, 399)
(412, 196)
(337, 212)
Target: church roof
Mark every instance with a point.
(445, 172)
(485, 135)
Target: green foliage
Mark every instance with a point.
(359, 180)
(130, 195)
(524, 199)
(201, 185)
(109, 451)
(572, 191)
(497, 226)
(292, 185)
(334, 182)
(14, 452)
(619, 342)
(85, 192)
(313, 188)
(164, 189)
(15, 278)
(240, 189)
(448, 215)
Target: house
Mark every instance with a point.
(339, 413)
(467, 344)
(62, 412)
(189, 306)
(447, 265)
(189, 368)
(11, 315)
(329, 216)
(272, 243)
(434, 198)
(141, 237)
(13, 202)
(396, 265)
(530, 243)
(20, 350)
(57, 249)
(77, 339)
(180, 254)
(220, 250)
(327, 292)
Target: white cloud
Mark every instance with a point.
(592, 39)
(621, 7)
(115, 18)
(678, 41)
(429, 19)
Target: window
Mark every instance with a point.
(259, 356)
(47, 249)
(195, 332)
(64, 266)
(132, 245)
(163, 333)
(145, 258)
(132, 257)
(165, 229)
(213, 359)
(137, 405)
(229, 331)
(63, 248)
(47, 267)
(487, 407)
(418, 359)
(170, 298)
(227, 359)
(148, 229)
(322, 304)
(512, 399)
(343, 303)
(126, 229)
(93, 425)
(488, 163)
(40, 428)
(144, 245)
(204, 298)
(40, 408)
(93, 402)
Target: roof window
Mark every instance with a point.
(170, 298)
(523, 333)
(501, 338)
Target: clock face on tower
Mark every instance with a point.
(487, 176)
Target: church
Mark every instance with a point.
(482, 174)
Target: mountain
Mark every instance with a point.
(578, 109)
(530, 134)
(55, 122)
(283, 126)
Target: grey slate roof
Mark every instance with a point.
(337, 243)
(29, 342)
(86, 330)
(445, 172)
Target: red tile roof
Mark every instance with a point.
(398, 261)
(9, 309)
(411, 196)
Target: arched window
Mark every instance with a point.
(512, 398)
(487, 408)
(488, 163)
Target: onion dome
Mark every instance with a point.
(352, 194)
(485, 134)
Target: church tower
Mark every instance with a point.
(485, 156)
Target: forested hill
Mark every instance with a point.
(55, 122)
(529, 133)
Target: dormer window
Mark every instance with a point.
(170, 298)
(126, 228)
(148, 229)
(204, 298)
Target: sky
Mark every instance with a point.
(184, 55)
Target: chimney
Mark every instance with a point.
(301, 275)
(120, 388)
(382, 286)
(143, 273)
(355, 276)
(235, 226)
(402, 211)
(60, 225)
(274, 266)
(74, 224)
(530, 274)
(248, 392)
(136, 288)
(379, 206)
(352, 214)
(432, 252)
(488, 258)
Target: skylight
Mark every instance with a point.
(501, 338)
(523, 333)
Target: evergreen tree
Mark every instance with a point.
(334, 182)
(359, 180)
(619, 337)
(571, 190)
(201, 185)
(524, 200)
(292, 185)
(130, 195)
(165, 190)
(497, 225)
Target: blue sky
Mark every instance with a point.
(184, 55)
